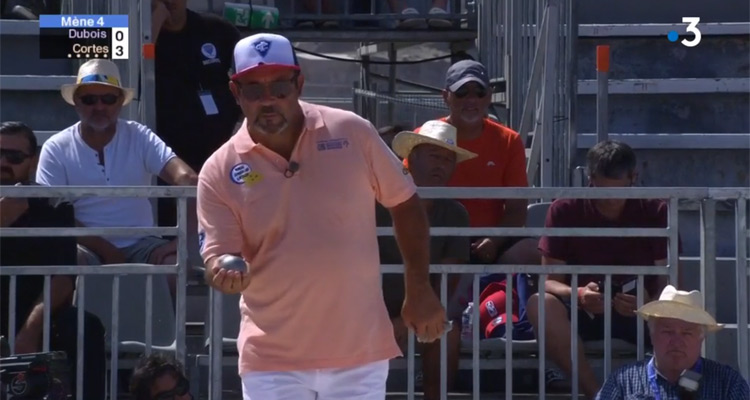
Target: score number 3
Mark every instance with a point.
(692, 28)
(120, 43)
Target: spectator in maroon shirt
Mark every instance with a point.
(610, 164)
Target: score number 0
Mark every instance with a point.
(120, 43)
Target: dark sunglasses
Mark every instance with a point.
(464, 91)
(180, 389)
(14, 157)
(106, 99)
(277, 89)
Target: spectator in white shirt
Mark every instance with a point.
(103, 150)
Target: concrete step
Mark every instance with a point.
(41, 110)
(656, 113)
(19, 51)
(647, 11)
(668, 86)
(658, 58)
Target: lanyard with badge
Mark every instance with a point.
(693, 376)
(208, 51)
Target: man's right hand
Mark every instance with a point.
(229, 281)
(591, 299)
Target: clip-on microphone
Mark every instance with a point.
(689, 384)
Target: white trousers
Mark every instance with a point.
(366, 382)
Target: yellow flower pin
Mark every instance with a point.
(252, 178)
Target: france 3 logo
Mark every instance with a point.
(691, 28)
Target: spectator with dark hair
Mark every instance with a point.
(158, 377)
(610, 164)
(18, 156)
(195, 110)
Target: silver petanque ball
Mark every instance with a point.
(234, 263)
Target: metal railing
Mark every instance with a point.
(708, 269)
(180, 193)
(707, 197)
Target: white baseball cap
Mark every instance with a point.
(263, 50)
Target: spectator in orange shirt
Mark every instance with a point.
(501, 162)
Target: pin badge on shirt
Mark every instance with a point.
(252, 178)
(209, 105)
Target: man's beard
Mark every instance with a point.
(273, 129)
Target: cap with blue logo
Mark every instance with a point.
(466, 71)
(263, 50)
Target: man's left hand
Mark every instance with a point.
(423, 313)
(485, 250)
(625, 304)
(159, 254)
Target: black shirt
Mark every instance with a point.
(197, 58)
(16, 251)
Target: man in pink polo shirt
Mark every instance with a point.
(292, 193)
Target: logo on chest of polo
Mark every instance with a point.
(332, 144)
(209, 52)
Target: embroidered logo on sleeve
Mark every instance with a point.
(201, 240)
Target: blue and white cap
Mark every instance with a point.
(263, 50)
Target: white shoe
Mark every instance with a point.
(438, 22)
(411, 23)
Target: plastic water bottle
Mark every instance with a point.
(466, 323)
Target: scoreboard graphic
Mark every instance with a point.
(83, 37)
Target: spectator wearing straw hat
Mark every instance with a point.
(292, 193)
(677, 324)
(433, 156)
(103, 150)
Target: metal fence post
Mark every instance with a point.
(216, 347)
(602, 106)
(708, 267)
(741, 273)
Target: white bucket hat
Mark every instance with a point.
(682, 305)
(437, 133)
(96, 72)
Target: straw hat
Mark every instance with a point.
(682, 305)
(96, 72)
(437, 133)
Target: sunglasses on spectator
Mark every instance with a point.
(106, 99)
(277, 89)
(180, 389)
(464, 91)
(14, 157)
